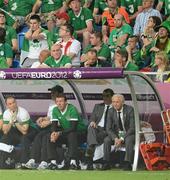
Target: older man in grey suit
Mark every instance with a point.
(97, 126)
(121, 130)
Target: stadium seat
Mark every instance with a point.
(157, 155)
(20, 38)
(16, 63)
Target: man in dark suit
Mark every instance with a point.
(121, 130)
(97, 126)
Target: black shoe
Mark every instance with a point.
(89, 167)
(74, 167)
(52, 166)
(106, 166)
(90, 151)
(127, 166)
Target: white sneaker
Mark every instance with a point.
(61, 165)
(31, 164)
(43, 165)
(18, 166)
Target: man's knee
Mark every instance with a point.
(25, 140)
(130, 140)
(72, 136)
(90, 130)
(107, 140)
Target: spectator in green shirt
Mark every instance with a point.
(6, 54)
(119, 35)
(11, 35)
(93, 61)
(134, 54)
(103, 51)
(121, 61)
(164, 4)
(162, 42)
(82, 21)
(57, 59)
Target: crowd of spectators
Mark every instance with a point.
(138, 30)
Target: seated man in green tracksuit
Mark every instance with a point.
(67, 128)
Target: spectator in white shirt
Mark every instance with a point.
(70, 46)
(142, 18)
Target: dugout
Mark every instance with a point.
(83, 87)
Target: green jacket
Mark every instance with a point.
(131, 67)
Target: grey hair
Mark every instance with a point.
(120, 96)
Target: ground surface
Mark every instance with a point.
(83, 175)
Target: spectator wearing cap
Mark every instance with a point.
(60, 19)
(142, 18)
(70, 46)
(162, 42)
(82, 21)
(38, 150)
(57, 59)
(121, 61)
(36, 39)
(62, 15)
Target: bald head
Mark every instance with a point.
(44, 54)
(118, 20)
(56, 51)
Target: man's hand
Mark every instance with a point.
(118, 142)
(97, 18)
(54, 136)
(39, 121)
(105, 39)
(93, 124)
(128, 49)
(36, 33)
(154, 49)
